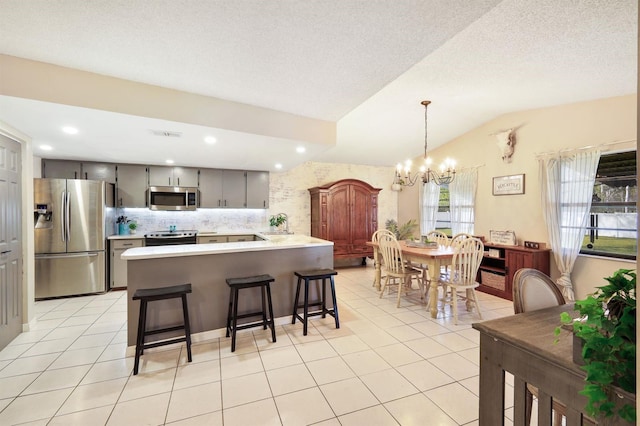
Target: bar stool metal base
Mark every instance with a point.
(307, 276)
(146, 295)
(235, 284)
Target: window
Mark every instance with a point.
(443, 217)
(612, 228)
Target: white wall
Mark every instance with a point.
(541, 130)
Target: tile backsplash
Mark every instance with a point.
(219, 220)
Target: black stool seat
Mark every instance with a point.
(235, 284)
(161, 292)
(146, 295)
(314, 275)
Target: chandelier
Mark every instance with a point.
(403, 175)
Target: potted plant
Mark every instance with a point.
(402, 232)
(277, 220)
(607, 331)
(132, 227)
(122, 221)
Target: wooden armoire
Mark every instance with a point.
(345, 212)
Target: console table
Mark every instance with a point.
(524, 346)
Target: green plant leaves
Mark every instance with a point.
(608, 330)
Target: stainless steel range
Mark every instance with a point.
(170, 238)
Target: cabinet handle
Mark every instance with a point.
(178, 181)
(5, 252)
(169, 181)
(86, 176)
(75, 175)
(127, 244)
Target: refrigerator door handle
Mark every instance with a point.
(63, 204)
(67, 217)
(66, 256)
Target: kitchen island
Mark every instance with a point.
(206, 266)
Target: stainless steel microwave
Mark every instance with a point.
(173, 198)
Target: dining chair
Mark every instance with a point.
(375, 238)
(534, 290)
(458, 238)
(462, 274)
(439, 237)
(395, 267)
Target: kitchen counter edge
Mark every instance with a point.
(272, 242)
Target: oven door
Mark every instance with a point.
(169, 241)
(173, 198)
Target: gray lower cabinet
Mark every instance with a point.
(257, 190)
(118, 269)
(131, 185)
(212, 239)
(236, 238)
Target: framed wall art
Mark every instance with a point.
(508, 185)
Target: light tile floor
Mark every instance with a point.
(384, 366)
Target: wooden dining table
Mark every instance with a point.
(434, 258)
(526, 346)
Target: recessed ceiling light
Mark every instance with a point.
(278, 166)
(169, 161)
(300, 149)
(210, 140)
(46, 147)
(70, 130)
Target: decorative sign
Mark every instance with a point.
(505, 238)
(508, 185)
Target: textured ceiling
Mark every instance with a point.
(366, 65)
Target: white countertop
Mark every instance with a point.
(272, 242)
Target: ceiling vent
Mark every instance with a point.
(166, 133)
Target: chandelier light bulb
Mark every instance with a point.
(445, 176)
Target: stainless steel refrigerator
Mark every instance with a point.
(71, 219)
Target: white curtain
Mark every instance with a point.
(429, 199)
(567, 188)
(462, 200)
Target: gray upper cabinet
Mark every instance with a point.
(99, 171)
(219, 188)
(211, 188)
(185, 176)
(61, 169)
(257, 190)
(64, 169)
(234, 189)
(173, 176)
(131, 185)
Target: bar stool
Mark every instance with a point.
(146, 295)
(235, 284)
(318, 274)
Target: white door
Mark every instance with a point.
(10, 241)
